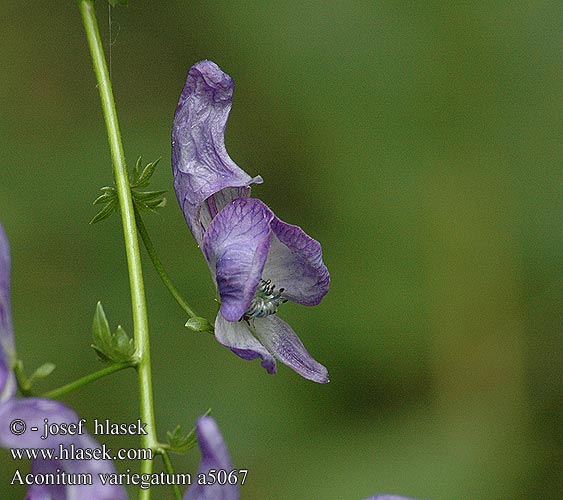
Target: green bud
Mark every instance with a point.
(199, 325)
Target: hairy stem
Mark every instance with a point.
(160, 268)
(140, 321)
(87, 379)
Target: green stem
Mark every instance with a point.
(170, 470)
(138, 303)
(159, 267)
(65, 389)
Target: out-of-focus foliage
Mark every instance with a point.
(420, 142)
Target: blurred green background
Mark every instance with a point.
(420, 142)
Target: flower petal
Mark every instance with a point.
(279, 338)
(7, 378)
(33, 411)
(200, 162)
(295, 262)
(214, 455)
(238, 338)
(236, 246)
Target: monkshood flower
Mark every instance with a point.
(214, 456)
(205, 177)
(257, 260)
(15, 413)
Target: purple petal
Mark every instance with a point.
(278, 337)
(46, 491)
(237, 337)
(7, 379)
(236, 246)
(295, 262)
(200, 162)
(33, 411)
(214, 455)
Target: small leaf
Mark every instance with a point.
(104, 213)
(110, 347)
(142, 179)
(145, 196)
(149, 200)
(123, 346)
(100, 327)
(108, 196)
(180, 442)
(199, 325)
(43, 371)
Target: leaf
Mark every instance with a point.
(110, 198)
(180, 442)
(115, 3)
(110, 347)
(199, 325)
(43, 371)
(141, 179)
(104, 213)
(149, 200)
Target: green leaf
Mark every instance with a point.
(110, 198)
(109, 195)
(149, 200)
(43, 371)
(123, 346)
(145, 196)
(110, 347)
(115, 3)
(104, 213)
(141, 178)
(180, 442)
(136, 173)
(199, 325)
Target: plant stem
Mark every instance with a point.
(159, 267)
(65, 389)
(138, 303)
(170, 470)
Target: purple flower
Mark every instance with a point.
(214, 456)
(34, 411)
(205, 177)
(258, 261)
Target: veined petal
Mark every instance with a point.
(200, 162)
(238, 338)
(33, 411)
(236, 246)
(214, 455)
(7, 378)
(279, 338)
(295, 262)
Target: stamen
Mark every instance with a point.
(265, 301)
